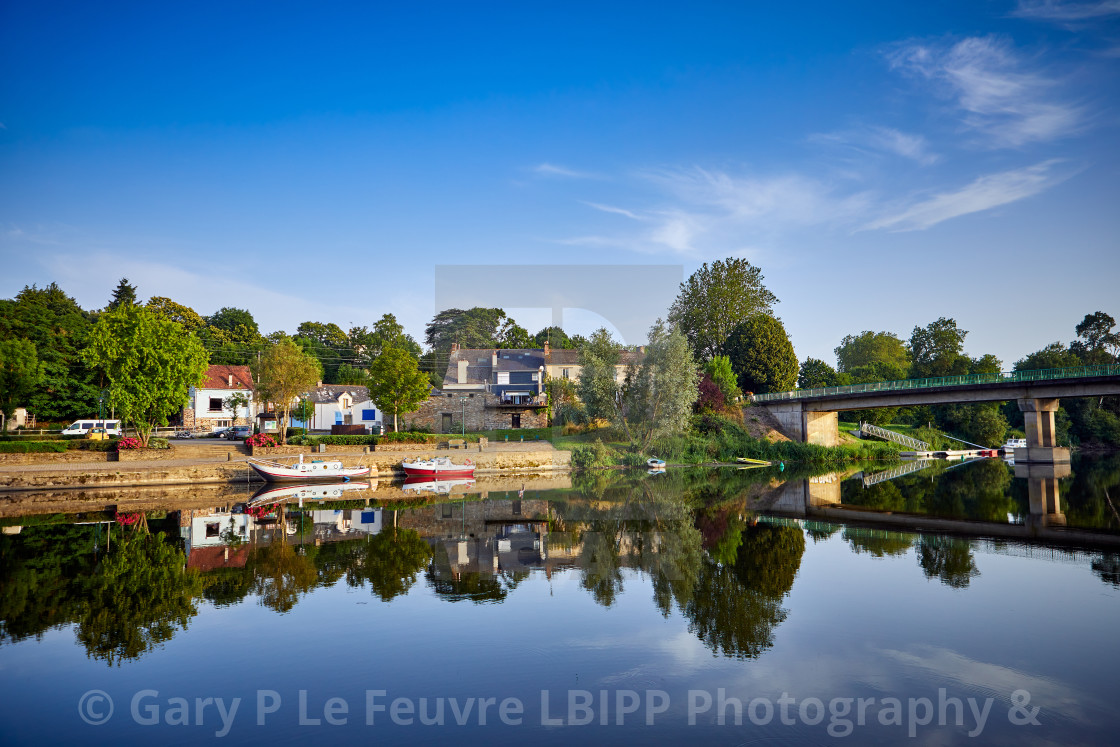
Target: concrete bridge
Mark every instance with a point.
(810, 415)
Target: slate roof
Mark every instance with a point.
(329, 393)
(217, 377)
(479, 363)
(565, 357)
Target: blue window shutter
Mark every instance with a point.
(369, 414)
(338, 418)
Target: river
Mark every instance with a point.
(954, 603)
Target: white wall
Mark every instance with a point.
(200, 403)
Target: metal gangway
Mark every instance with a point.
(873, 430)
(903, 469)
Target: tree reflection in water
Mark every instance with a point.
(948, 559)
(281, 575)
(138, 597)
(389, 562)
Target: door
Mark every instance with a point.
(516, 421)
(446, 423)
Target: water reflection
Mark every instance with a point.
(712, 545)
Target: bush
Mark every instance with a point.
(158, 443)
(293, 432)
(593, 455)
(260, 439)
(126, 444)
(413, 437)
(31, 447)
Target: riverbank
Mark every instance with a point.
(496, 459)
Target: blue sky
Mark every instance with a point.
(883, 163)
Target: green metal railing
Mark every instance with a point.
(1010, 377)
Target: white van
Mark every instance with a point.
(83, 427)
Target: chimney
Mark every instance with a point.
(462, 378)
(546, 350)
(320, 385)
(494, 359)
(454, 347)
(231, 379)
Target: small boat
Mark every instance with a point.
(438, 485)
(1014, 443)
(301, 471)
(655, 463)
(753, 462)
(438, 467)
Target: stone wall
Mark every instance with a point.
(481, 414)
(144, 455)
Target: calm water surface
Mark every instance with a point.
(722, 607)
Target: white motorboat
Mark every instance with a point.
(437, 485)
(317, 492)
(302, 471)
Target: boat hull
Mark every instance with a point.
(440, 473)
(272, 473)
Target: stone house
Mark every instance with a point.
(564, 364)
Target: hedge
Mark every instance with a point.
(32, 447)
(333, 440)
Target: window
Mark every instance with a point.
(516, 508)
(564, 373)
(446, 511)
(215, 404)
(213, 529)
(503, 377)
(370, 414)
(338, 418)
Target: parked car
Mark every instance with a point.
(218, 432)
(82, 427)
(97, 434)
(239, 432)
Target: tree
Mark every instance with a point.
(232, 337)
(556, 338)
(233, 320)
(869, 348)
(191, 320)
(761, 355)
(1095, 334)
(283, 373)
(656, 399)
(710, 398)
(716, 299)
(719, 370)
(387, 331)
(235, 402)
(19, 375)
(123, 295)
(59, 329)
(347, 374)
(816, 374)
(938, 350)
(473, 328)
(513, 336)
(151, 364)
(396, 383)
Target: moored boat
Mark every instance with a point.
(655, 463)
(313, 492)
(439, 485)
(317, 469)
(438, 467)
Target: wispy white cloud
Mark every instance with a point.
(1065, 12)
(615, 210)
(984, 193)
(1001, 96)
(883, 140)
(551, 169)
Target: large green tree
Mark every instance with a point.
(1095, 335)
(367, 344)
(717, 298)
(327, 343)
(937, 349)
(20, 375)
(283, 373)
(871, 348)
(476, 327)
(59, 328)
(556, 338)
(396, 383)
(191, 320)
(719, 370)
(762, 355)
(150, 363)
(816, 374)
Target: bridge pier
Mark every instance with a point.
(799, 424)
(1042, 434)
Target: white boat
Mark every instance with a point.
(655, 463)
(318, 492)
(301, 471)
(1014, 443)
(438, 467)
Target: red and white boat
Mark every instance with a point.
(301, 471)
(438, 467)
(437, 485)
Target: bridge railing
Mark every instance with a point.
(1009, 377)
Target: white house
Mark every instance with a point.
(341, 404)
(207, 408)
